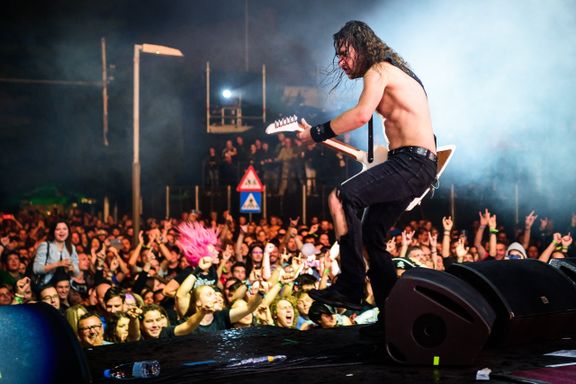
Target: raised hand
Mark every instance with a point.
(530, 219)
(433, 240)
(447, 223)
(484, 217)
(492, 222)
(461, 250)
(407, 238)
(566, 240)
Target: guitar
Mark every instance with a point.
(290, 124)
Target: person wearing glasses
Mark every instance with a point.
(90, 331)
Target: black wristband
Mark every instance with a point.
(322, 132)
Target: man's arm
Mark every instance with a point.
(191, 324)
(375, 81)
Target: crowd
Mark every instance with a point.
(284, 164)
(208, 272)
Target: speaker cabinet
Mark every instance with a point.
(38, 346)
(533, 301)
(433, 317)
(566, 266)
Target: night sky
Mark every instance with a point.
(499, 75)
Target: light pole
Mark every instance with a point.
(136, 194)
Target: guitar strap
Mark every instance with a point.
(371, 140)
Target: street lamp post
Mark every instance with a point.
(136, 193)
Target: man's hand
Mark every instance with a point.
(447, 223)
(530, 219)
(305, 136)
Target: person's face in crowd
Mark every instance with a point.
(75, 238)
(219, 303)
(303, 304)
(50, 296)
(61, 232)
(418, 256)
(95, 243)
(5, 296)
(291, 245)
(153, 323)
(500, 251)
(63, 289)
(532, 252)
(257, 255)
(284, 314)
(22, 267)
(440, 262)
(229, 294)
(83, 261)
(90, 331)
(13, 262)
(327, 320)
(122, 328)
(158, 296)
(206, 298)
(246, 321)
(148, 297)
(324, 239)
(261, 237)
(115, 304)
(126, 245)
(239, 272)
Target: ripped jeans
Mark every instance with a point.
(382, 192)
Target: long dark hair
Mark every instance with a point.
(51, 238)
(369, 47)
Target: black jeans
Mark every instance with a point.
(385, 190)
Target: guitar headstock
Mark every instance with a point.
(286, 124)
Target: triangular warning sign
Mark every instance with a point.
(250, 204)
(250, 182)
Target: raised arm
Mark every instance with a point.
(528, 222)
(482, 253)
(547, 253)
(183, 295)
(447, 225)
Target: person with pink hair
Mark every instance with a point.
(200, 247)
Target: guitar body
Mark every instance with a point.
(290, 124)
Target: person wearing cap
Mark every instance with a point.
(402, 265)
(325, 317)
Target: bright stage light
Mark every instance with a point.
(226, 93)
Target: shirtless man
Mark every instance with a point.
(393, 90)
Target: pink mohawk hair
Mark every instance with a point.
(194, 239)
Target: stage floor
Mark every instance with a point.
(321, 356)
